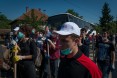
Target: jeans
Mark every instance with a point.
(105, 68)
(54, 67)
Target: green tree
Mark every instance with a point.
(106, 17)
(98, 28)
(71, 11)
(113, 29)
(4, 22)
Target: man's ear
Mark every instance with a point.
(77, 40)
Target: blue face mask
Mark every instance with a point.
(66, 51)
(20, 35)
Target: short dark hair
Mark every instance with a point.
(74, 36)
(27, 30)
(105, 32)
(84, 29)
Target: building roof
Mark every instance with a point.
(37, 13)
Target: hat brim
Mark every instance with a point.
(16, 29)
(62, 32)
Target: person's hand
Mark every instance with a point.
(43, 38)
(113, 66)
(48, 40)
(18, 58)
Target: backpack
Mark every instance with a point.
(38, 59)
(4, 58)
(103, 52)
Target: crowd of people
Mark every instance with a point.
(58, 54)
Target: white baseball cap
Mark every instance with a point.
(16, 28)
(69, 28)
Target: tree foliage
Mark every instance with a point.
(113, 27)
(71, 11)
(106, 17)
(33, 20)
(4, 22)
(98, 28)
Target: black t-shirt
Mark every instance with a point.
(71, 68)
(26, 68)
(110, 48)
(28, 48)
(86, 43)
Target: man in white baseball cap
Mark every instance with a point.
(16, 28)
(69, 28)
(74, 64)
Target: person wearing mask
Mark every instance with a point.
(15, 32)
(11, 36)
(74, 64)
(27, 55)
(54, 53)
(33, 32)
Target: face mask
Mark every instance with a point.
(20, 35)
(66, 51)
(33, 31)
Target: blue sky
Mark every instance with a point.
(89, 9)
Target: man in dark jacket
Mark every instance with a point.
(74, 64)
(85, 40)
